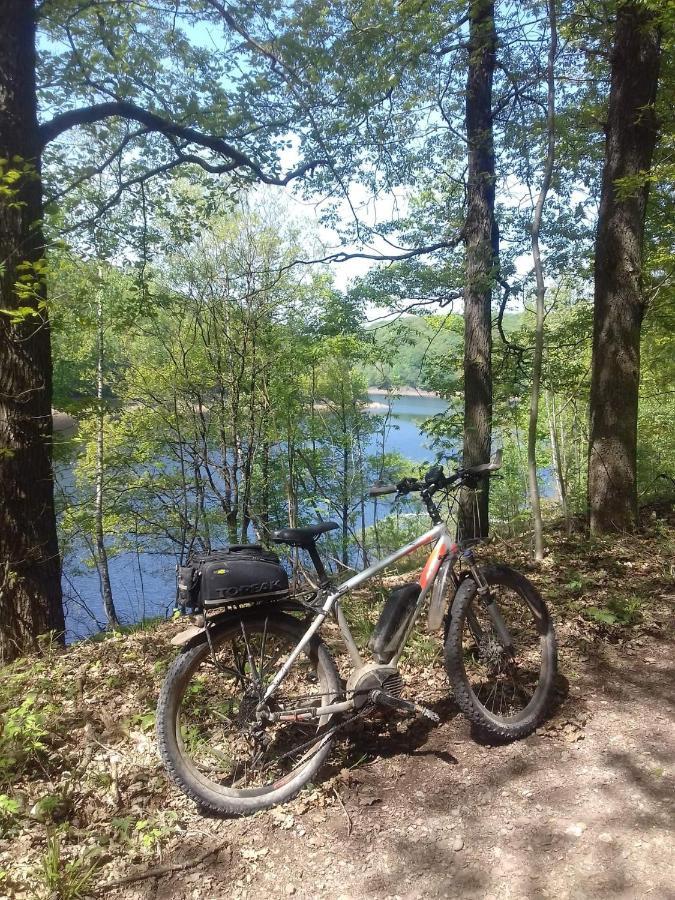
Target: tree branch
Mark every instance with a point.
(516, 348)
(343, 256)
(123, 109)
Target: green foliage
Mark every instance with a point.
(152, 833)
(396, 529)
(23, 730)
(237, 402)
(8, 806)
(145, 721)
(656, 415)
(149, 834)
(624, 611)
(15, 174)
(237, 377)
(410, 349)
(75, 288)
(9, 811)
(422, 649)
(70, 879)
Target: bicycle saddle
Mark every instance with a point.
(302, 536)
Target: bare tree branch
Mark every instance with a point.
(88, 115)
(344, 256)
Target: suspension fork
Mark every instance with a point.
(489, 604)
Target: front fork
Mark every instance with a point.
(489, 604)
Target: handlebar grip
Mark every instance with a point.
(377, 490)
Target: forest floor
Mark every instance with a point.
(583, 808)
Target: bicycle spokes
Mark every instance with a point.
(219, 726)
(503, 672)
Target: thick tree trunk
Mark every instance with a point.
(619, 298)
(30, 585)
(482, 248)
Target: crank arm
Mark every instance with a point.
(381, 698)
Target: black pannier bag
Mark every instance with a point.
(242, 573)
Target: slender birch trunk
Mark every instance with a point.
(533, 483)
(558, 467)
(101, 554)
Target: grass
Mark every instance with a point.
(144, 625)
(422, 649)
(66, 879)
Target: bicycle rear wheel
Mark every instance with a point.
(505, 690)
(209, 738)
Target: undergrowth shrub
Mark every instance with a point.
(623, 611)
(23, 730)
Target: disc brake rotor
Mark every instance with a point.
(491, 653)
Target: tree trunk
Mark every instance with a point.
(264, 516)
(558, 467)
(101, 556)
(482, 248)
(344, 511)
(532, 480)
(619, 299)
(362, 488)
(30, 576)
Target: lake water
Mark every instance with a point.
(408, 414)
(144, 584)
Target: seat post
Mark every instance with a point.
(310, 547)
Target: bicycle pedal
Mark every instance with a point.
(381, 698)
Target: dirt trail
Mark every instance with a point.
(582, 809)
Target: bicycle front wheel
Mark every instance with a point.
(214, 748)
(501, 662)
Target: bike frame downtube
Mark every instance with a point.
(436, 533)
(445, 549)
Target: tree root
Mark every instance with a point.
(160, 871)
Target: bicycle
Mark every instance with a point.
(251, 707)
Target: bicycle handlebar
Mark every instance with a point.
(435, 479)
(378, 490)
(404, 486)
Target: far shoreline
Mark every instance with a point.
(66, 425)
(404, 392)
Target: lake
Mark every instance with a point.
(144, 584)
(408, 414)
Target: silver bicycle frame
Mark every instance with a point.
(444, 547)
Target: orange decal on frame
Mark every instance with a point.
(439, 551)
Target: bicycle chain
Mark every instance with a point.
(362, 713)
(368, 708)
